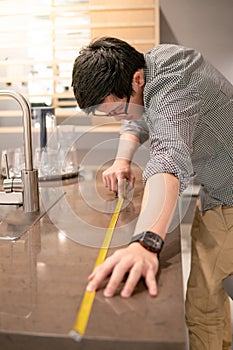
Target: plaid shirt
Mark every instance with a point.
(188, 119)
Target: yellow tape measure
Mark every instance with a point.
(88, 298)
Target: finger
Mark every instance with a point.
(151, 283)
(99, 274)
(132, 280)
(105, 178)
(113, 183)
(130, 186)
(122, 184)
(115, 279)
(132, 178)
(105, 181)
(110, 181)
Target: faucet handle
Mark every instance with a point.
(13, 185)
(8, 185)
(17, 185)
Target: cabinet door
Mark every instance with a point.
(136, 21)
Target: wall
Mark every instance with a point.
(205, 25)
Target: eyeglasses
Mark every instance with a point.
(115, 112)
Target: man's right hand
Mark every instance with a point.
(133, 260)
(114, 176)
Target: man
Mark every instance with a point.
(172, 96)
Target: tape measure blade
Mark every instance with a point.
(108, 236)
(81, 322)
(84, 312)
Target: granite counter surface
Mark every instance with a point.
(43, 276)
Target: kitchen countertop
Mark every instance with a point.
(43, 276)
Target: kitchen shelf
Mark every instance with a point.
(48, 37)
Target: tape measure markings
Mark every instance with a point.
(83, 315)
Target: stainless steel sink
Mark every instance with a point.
(14, 222)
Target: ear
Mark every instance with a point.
(138, 80)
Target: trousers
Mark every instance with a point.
(207, 305)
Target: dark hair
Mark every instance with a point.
(106, 66)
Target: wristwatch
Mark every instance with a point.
(149, 240)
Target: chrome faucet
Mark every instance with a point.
(29, 175)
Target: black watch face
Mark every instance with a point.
(150, 248)
(149, 240)
(153, 241)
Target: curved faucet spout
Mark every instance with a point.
(26, 125)
(29, 175)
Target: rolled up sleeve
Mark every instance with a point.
(139, 128)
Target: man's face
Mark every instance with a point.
(120, 109)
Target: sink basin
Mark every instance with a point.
(14, 222)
